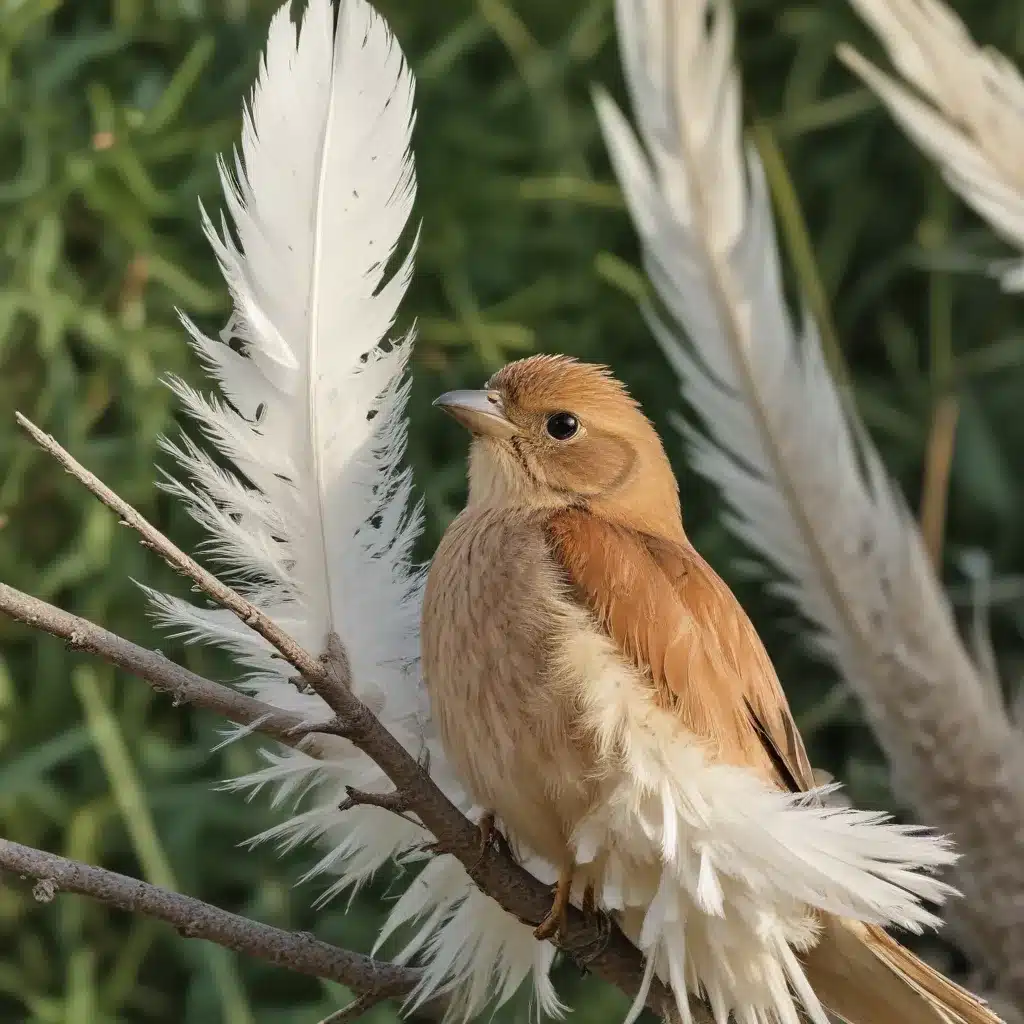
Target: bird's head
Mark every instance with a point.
(550, 432)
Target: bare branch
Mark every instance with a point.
(311, 668)
(605, 951)
(396, 801)
(494, 870)
(183, 686)
(374, 980)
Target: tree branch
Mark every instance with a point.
(603, 950)
(164, 675)
(374, 980)
(311, 668)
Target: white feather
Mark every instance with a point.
(805, 487)
(964, 108)
(313, 520)
(753, 864)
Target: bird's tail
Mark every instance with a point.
(865, 976)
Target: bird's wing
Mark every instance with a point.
(675, 618)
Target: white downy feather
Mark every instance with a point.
(716, 874)
(312, 519)
(965, 108)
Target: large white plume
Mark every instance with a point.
(961, 103)
(305, 503)
(802, 482)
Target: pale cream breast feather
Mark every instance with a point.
(494, 612)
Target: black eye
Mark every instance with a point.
(562, 425)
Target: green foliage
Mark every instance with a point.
(111, 115)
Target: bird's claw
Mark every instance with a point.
(487, 829)
(491, 838)
(556, 924)
(589, 904)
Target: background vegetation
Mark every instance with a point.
(111, 114)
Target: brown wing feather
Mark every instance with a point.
(673, 616)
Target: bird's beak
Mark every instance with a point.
(480, 412)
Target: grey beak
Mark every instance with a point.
(480, 412)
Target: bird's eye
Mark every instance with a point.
(562, 425)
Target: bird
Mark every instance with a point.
(602, 694)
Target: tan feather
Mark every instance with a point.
(676, 619)
(866, 977)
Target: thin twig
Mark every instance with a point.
(937, 465)
(309, 666)
(395, 801)
(194, 919)
(182, 685)
(353, 1011)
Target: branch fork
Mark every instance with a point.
(397, 801)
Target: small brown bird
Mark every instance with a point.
(603, 695)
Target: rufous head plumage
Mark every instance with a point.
(550, 431)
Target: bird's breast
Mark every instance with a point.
(497, 625)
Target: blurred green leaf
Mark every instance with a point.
(24, 771)
(179, 87)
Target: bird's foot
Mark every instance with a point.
(487, 829)
(589, 904)
(556, 924)
(491, 837)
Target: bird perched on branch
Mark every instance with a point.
(601, 692)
